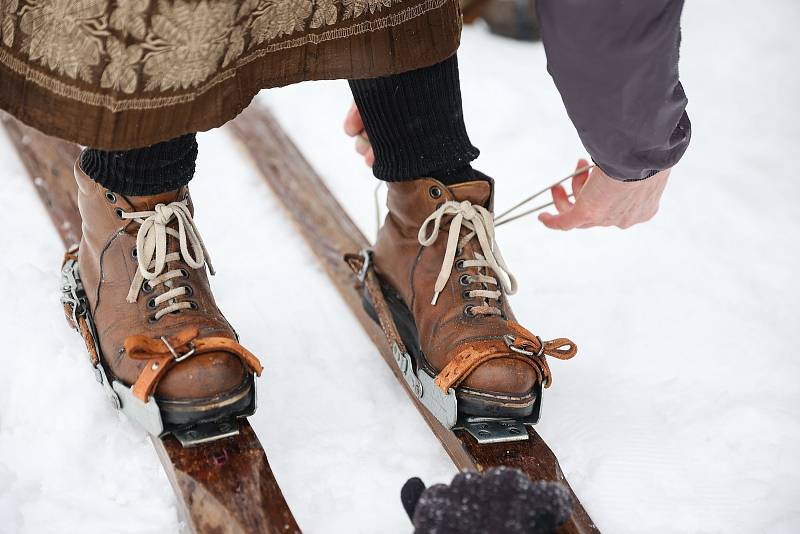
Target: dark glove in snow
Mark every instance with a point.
(502, 501)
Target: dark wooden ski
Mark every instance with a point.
(331, 234)
(222, 487)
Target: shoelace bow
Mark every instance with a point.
(152, 256)
(480, 222)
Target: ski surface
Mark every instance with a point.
(222, 487)
(331, 234)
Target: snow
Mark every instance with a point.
(680, 414)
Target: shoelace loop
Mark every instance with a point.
(480, 222)
(152, 256)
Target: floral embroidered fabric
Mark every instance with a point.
(134, 57)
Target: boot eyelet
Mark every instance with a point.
(152, 319)
(469, 311)
(464, 280)
(119, 212)
(134, 253)
(151, 304)
(111, 197)
(189, 291)
(435, 192)
(460, 265)
(466, 294)
(146, 287)
(194, 306)
(184, 273)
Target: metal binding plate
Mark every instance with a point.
(490, 430)
(206, 432)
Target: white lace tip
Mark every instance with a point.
(435, 298)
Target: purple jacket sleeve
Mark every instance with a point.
(615, 63)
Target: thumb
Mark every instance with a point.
(410, 494)
(353, 125)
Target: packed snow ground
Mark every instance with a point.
(680, 414)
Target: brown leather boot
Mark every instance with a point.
(156, 327)
(446, 284)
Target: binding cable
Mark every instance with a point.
(506, 216)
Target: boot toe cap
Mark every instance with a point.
(204, 376)
(503, 376)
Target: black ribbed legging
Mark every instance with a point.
(414, 121)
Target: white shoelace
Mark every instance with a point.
(480, 222)
(152, 257)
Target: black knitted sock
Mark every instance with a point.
(415, 124)
(151, 170)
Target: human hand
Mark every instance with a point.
(354, 127)
(603, 201)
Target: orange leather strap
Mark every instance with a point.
(161, 354)
(523, 346)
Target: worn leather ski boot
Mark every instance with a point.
(138, 291)
(446, 283)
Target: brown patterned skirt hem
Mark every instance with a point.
(404, 37)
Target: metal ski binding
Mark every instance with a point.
(145, 414)
(444, 406)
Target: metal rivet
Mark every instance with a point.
(154, 367)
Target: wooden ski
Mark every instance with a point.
(222, 487)
(331, 234)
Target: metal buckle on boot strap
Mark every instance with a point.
(179, 357)
(366, 255)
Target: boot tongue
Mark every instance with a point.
(477, 192)
(149, 202)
